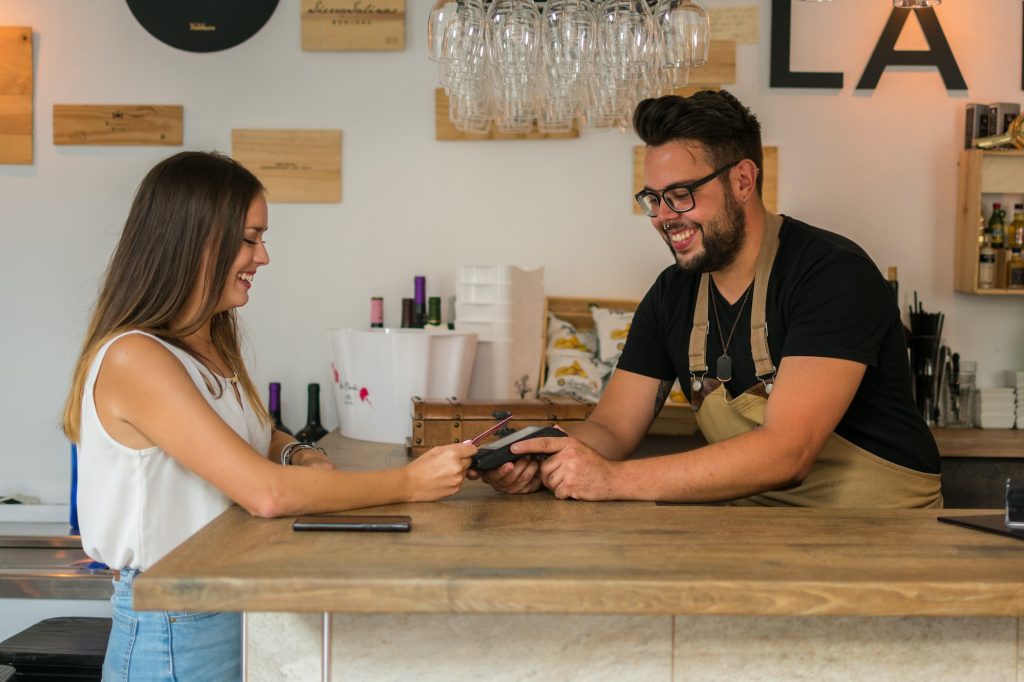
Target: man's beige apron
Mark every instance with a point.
(843, 475)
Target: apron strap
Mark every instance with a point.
(699, 333)
(763, 366)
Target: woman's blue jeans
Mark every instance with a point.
(186, 646)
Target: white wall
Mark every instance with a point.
(877, 166)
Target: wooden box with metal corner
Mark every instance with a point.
(439, 422)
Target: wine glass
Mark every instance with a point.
(569, 35)
(692, 22)
(441, 15)
(514, 49)
(464, 47)
(626, 38)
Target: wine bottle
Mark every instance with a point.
(1015, 270)
(376, 312)
(419, 306)
(986, 265)
(275, 408)
(1016, 237)
(892, 276)
(434, 312)
(894, 281)
(997, 227)
(407, 313)
(313, 430)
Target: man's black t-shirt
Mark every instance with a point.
(825, 299)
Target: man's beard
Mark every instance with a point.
(724, 242)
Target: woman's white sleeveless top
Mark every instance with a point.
(135, 506)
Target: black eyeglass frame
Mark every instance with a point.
(690, 187)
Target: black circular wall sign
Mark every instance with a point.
(202, 25)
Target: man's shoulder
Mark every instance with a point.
(815, 260)
(801, 238)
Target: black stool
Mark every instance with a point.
(54, 649)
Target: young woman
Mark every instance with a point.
(170, 427)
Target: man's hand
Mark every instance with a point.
(572, 469)
(516, 477)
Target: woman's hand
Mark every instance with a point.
(439, 472)
(311, 458)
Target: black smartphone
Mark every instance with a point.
(493, 455)
(387, 524)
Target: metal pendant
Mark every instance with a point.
(768, 388)
(724, 368)
(696, 385)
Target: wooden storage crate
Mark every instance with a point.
(674, 419)
(439, 422)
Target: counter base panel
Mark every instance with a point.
(498, 648)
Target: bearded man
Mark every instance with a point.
(785, 337)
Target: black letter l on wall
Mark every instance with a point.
(781, 76)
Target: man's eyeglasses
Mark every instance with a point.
(679, 197)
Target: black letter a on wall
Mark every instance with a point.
(939, 55)
(782, 36)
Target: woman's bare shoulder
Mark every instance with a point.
(136, 353)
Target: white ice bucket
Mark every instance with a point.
(376, 373)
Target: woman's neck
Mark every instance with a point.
(201, 340)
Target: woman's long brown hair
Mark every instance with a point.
(186, 203)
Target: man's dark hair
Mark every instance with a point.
(726, 129)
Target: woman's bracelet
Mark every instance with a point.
(289, 450)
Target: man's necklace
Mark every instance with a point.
(723, 367)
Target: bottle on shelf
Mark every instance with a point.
(376, 312)
(894, 282)
(451, 312)
(407, 313)
(419, 305)
(313, 430)
(1015, 238)
(892, 277)
(274, 407)
(986, 265)
(997, 226)
(434, 312)
(1015, 270)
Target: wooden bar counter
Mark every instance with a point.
(488, 586)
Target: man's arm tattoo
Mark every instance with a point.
(664, 388)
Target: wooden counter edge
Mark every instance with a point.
(980, 443)
(485, 596)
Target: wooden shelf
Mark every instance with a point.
(996, 292)
(982, 172)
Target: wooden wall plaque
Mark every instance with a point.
(16, 94)
(296, 166)
(444, 129)
(118, 124)
(769, 184)
(721, 66)
(353, 25)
